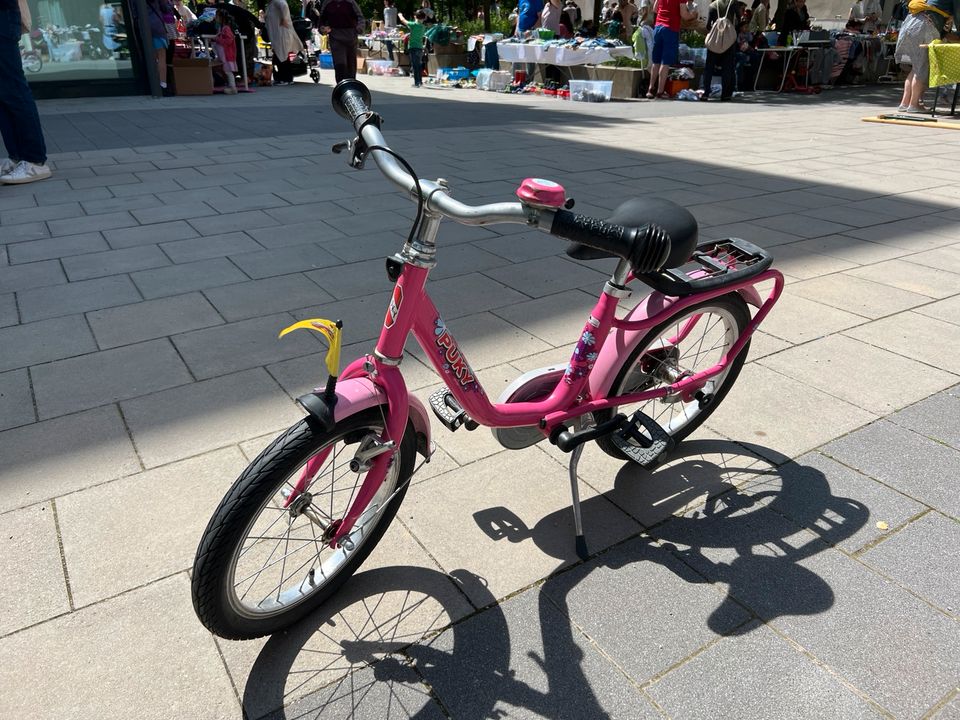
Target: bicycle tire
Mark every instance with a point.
(731, 307)
(213, 586)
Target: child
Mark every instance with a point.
(226, 46)
(417, 30)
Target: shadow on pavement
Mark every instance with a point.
(747, 536)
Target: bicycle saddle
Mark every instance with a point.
(677, 221)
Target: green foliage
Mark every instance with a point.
(626, 62)
(692, 38)
(475, 26)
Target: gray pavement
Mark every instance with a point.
(796, 558)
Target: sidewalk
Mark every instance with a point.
(797, 558)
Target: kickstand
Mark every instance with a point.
(581, 541)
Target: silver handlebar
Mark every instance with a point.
(436, 199)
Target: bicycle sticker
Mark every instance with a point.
(584, 356)
(395, 302)
(453, 361)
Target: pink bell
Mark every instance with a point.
(542, 193)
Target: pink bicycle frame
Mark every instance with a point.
(412, 310)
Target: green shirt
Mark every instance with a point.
(417, 31)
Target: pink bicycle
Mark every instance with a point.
(304, 515)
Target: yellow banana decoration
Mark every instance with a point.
(331, 331)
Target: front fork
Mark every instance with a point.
(375, 455)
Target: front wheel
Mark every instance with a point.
(685, 344)
(32, 62)
(262, 565)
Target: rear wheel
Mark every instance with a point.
(263, 565)
(662, 357)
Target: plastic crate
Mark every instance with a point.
(493, 80)
(591, 90)
(326, 61)
(453, 73)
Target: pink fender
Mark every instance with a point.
(622, 342)
(360, 393)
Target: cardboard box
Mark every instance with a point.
(190, 62)
(190, 80)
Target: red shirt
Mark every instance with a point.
(668, 14)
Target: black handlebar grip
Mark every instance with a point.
(351, 99)
(646, 248)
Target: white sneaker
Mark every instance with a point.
(26, 172)
(6, 166)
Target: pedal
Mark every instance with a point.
(449, 412)
(648, 451)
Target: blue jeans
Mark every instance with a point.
(416, 65)
(19, 121)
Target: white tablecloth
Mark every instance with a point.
(518, 52)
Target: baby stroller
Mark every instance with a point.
(307, 59)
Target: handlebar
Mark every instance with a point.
(646, 248)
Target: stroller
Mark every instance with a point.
(307, 59)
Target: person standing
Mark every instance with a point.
(283, 40)
(727, 60)
(343, 21)
(926, 23)
(666, 42)
(390, 19)
(159, 12)
(550, 16)
(760, 17)
(417, 31)
(20, 128)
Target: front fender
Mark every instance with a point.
(618, 347)
(357, 394)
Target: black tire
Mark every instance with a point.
(214, 587)
(734, 312)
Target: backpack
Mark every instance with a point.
(722, 35)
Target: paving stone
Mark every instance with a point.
(363, 247)
(798, 320)
(801, 263)
(187, 277)
(152, 319)
(108, 376)
(99, 517)
(925, 557)
(910, 463)
(228, 223)
(914, 336)
(835, 365)
(397, 598)
(39, 214)
(362, 316)
(8, 310)
(546, 276)
(263, 297)
(117, 204)
(937, 417)
(845, 615)
(31, 275)
(183, 251)
(761, 658)
(44, 341)
(456, 297)
(856, 295)
(149, 234)
(556, 319)
(43, 303)
(116, 664)
(267, 263)
(300, 234)
(52, 248)
(30, 562)
(859, 252)
(923, 280)
(314, 212)
(114, 262)
(167, 212)
(755, 408)
(522, 659)
(16, 399)
(666, 620)
(25, 231)
(511, 539)
(951, 711)
(242, 345)
(185, 421)
(51, 458)
(92, 223)
(807, 227)
(945, 258)
(842, 506)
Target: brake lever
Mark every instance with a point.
(341, 146)
(358, 151)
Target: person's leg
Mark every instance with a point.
(416, 65)
(907, 84)
(708, 74)
(161, 58)
(339, 53)
(19, 120)
(727, 63)
(390, 49)
(656, 58)
(671, 55)
(352, 57)
(654, 76)
(662, 83)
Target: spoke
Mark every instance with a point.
(279, 586)
(257, 574)
(253, 544)
(270, 565)
(286, 547)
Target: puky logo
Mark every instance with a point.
(455, 362)
(395, 302)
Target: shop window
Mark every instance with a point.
(73, 41)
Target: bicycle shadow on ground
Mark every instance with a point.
(361, 657)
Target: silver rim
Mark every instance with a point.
(283, 559)
(711, 337)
